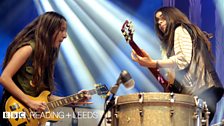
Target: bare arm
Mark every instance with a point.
(17, 60)
(182, 50)
(147, 61)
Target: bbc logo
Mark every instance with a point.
(8, 115)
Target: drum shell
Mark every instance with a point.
(154, 109)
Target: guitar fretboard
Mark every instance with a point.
(69, 99)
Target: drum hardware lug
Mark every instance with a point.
(203, 121)
(172, 100)
(171, 112)
(109, 120)
(115, 101)
(207, 113)
(195, 116)
(116, 115)
(200, 106)
(141, 113)
(141, 97)
(198, 102)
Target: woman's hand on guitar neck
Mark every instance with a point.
(85, 98)
(83, 101)
(145, 61)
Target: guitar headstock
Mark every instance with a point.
(128, 30)
(101, 89)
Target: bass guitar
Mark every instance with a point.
(128, 32)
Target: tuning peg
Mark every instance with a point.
(96, 85)
(126, 37)
(131, 24)
(132, 31)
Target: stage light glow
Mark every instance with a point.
(99, 58)
(69, 51)
(111, 27)
(144, 35)
(45, 5)
(77, 66)
(96, 34)
(220, 8)
(98, 47)
(111, 48)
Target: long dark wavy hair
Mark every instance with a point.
(175, 17)
(41, 30)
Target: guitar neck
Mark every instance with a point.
(139, 52)
(69, 99)
(154, 71)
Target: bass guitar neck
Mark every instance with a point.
(128, 31)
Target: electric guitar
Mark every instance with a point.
(26, 117)
(128, 31)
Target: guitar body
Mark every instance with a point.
(13, 105)
(30, 118)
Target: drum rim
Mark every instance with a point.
(178, 98)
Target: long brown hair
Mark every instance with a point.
(41, 30)
(175, 17)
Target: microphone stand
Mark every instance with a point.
(75, 120)
(110, 103)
